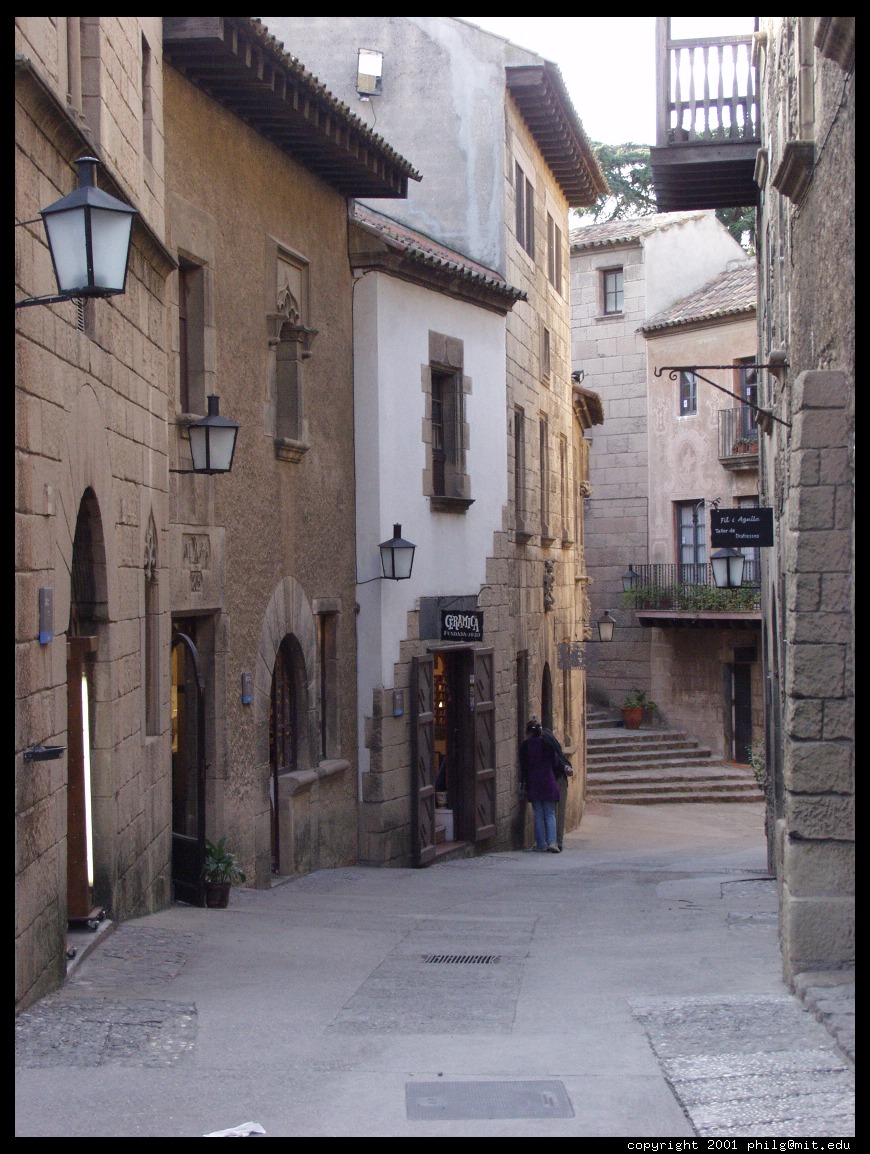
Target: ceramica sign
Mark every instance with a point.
(461, 626)
(741, 528)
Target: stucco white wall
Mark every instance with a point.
(441, 107)
(392, 322)
(682, 257)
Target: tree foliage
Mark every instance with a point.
(628, 172)
(627, 169)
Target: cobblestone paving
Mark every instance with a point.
(751, 1065)
(78, 1027)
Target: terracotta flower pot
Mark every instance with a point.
(632, 718)
(217, 895)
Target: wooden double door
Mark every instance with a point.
(453, 746)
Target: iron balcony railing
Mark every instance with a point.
(691, 588)
(737, 435)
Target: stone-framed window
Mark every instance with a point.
(524, 193)
(554, 254)
(521, 527)
(327, 612)
(151, 678)
(290, 338)
(194, 323)
(547, 536)
(612, 294)
(445, 433)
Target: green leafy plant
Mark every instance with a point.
(756, 760)
(220, 864)
(637, 699)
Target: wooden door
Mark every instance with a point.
(483, 727)
(78, 882)
(188, 772)
(423, 759)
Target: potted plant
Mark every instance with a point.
(220, 870)
(633, 707)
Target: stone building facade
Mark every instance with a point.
(92, 510)
(705, 652)
(188, 642)
(628, 277)
(794, 155)
(495, 191)
(805, 173)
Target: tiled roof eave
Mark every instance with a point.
(237, 62)
(699, 319)
(544, 104)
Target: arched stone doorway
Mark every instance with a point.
(88, 855)
(286, 729)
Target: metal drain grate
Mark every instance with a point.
(462, 959)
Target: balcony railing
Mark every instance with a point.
(708, 91)
(691, 588)
(707, 124)
(738, 440)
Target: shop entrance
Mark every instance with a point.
(453, 763)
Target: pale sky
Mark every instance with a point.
(607, 63)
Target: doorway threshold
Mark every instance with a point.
(450, 850)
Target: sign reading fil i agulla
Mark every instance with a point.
(741, 528)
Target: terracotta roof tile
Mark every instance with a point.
(729, 294)
(628, 231)
(422, 248)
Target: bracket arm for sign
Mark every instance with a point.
(766, 415)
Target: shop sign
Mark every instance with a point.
(744, 528)
(461, 626)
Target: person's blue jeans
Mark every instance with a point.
(545, 823)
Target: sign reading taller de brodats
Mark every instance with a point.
(465, 625)
(741, 528)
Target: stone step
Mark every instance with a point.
(671, 797)
(648, 766)
(717, 772)
(637, 736)
(645, 762)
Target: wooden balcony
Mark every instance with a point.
(707, 131)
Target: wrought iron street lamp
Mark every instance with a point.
(89, 235)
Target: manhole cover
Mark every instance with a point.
(434, 1101)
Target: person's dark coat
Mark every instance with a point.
(538, 762)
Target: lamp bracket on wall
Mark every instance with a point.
(763, 416)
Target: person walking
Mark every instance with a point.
(538, 762)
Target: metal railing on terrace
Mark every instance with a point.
(736, 435)
(691, 588)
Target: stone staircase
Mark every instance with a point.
(655, 766)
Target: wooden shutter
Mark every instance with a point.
(484, 745)
(423, 759)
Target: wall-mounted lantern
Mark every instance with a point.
(212, 441)
(630, 579)
(605, 626)
(397, 556)
(89, 235)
